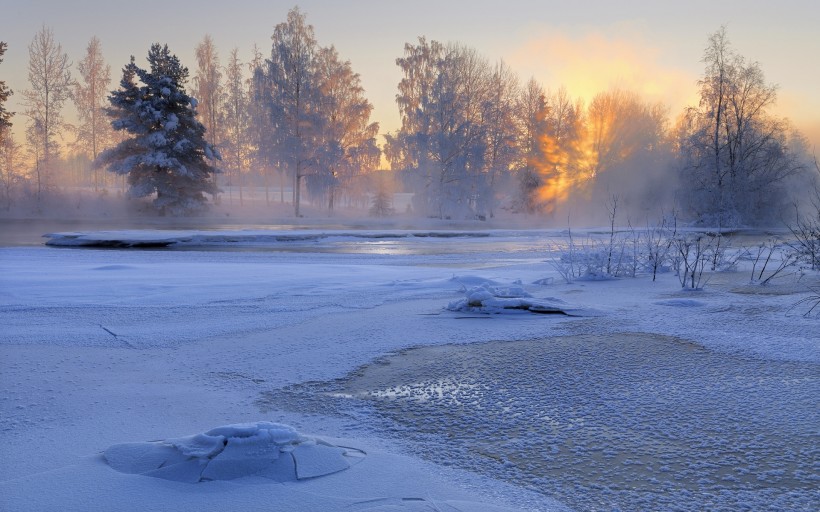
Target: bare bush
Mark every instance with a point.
(806, 243)
(771, 255)
(811, 302)
(597, 259)
(657, 244)
(694, 252)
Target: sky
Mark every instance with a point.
(651, 47)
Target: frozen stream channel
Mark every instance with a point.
(615, 422)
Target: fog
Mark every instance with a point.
(478, 148)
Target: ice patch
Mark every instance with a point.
(262, 449)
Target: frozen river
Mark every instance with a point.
(654, 398)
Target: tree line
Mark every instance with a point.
(474, 140)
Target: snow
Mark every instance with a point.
(172, 123)
(340, 355)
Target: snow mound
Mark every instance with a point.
(261, 449)
(487, 298)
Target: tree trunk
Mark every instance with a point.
(297, 190)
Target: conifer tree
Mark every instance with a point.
(5, 92)
(167, 154)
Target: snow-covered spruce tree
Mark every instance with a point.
(167, 154)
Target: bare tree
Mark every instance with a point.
(235, 146)
(208, 91)
(735, 155)
(619, 126)
(208, 85)
(50, 80)
(90, 97)
(559, 156)
(502, 133)
(531, 113)
(259, 136)
(410, 149)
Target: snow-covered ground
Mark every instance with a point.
(427, 355)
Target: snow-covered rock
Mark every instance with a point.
(492, 298)
(261, 449)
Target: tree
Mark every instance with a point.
(443, 140)
(460, 141)
(619, 125)
(94, 130)
(208, 87)
(208, 83)
(167, 152)
(259, 105)
(735, 155)
(624, 150)
(5, 92)
(558, 156)
(50, 80)
(348, 138)
(9, 159)
(409, 150)
(531, 114)
(500, 118)
(237, 119)
(291, 81)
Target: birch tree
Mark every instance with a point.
(531, 113)
(235, 146)
(348, 138)
(501, 128)
(50, 81)
(259, 119)
(89, 94)
(208, 91)
(736, 156)
(443, 139)
(208, 88)
(294, 90)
